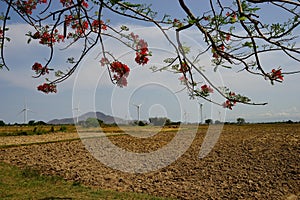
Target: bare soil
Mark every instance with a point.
(248, 162)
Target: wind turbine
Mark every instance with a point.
(25, 111)
(77, 110)
(185, 116)
(201, 111)
(138, 110)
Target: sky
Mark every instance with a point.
(159, 94)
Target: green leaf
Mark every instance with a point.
(248, 44)
(132, 5)
(226, 66)
(113, 2)
(243, 18)
(216, 68)
(169, 60)
(124, 28)
(71, 60)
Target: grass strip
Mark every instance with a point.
(16, 183)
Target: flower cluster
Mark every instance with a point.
(215, 52)
(232, 17)
(227, 37)
(96, 24)
(79, 26)
(39, 69)
(184, 67)
(48, 37)
(68, 3)
(232, 99)
(276, 74)
(206, 90)
(26, 7)
(142, 50)
(177, 23)
(47, 87)
(121, 72)
(104, 61)
(1, 33)
(183, 80)
(229, 104)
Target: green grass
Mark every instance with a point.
(26, 183)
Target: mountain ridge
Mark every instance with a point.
(107, 119)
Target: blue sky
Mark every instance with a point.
(157, 93)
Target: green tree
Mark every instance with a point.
(240, 120)
(2, 123)
(209, 121)
(31, 123)
(92, 122)
(158, 121)
(236, 34)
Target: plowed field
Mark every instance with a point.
(248, 162)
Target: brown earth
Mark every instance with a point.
(248, 162)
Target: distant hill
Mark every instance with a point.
(107, 119)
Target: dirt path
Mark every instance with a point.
(32, 139)
(47, 138)
(248, 162)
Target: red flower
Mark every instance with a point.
(68, 19)
(67, 3)
(85, 25)
(141, 48)
(141, 59)
(1, 33)
(96, 24)
(184, 67)
(121, 72)
(142, 52)
(228, 104)
(276, 74)
(183, 79)
(231, 94)
(122, 82)
(104, 61)
(39, 69)
(37, 35)
(60, 37)
(205, 90)
(46, 88)
(219, 48)
(85, 4)
(227, 37)
(28, 6)
(134, 37)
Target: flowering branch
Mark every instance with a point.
(234, 35)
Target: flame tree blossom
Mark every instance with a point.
(121, 73)
(47, 88)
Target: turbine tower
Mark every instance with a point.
(185, 116)
(201, 112)
(25, 111)
(77, 111)
(138, 110)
